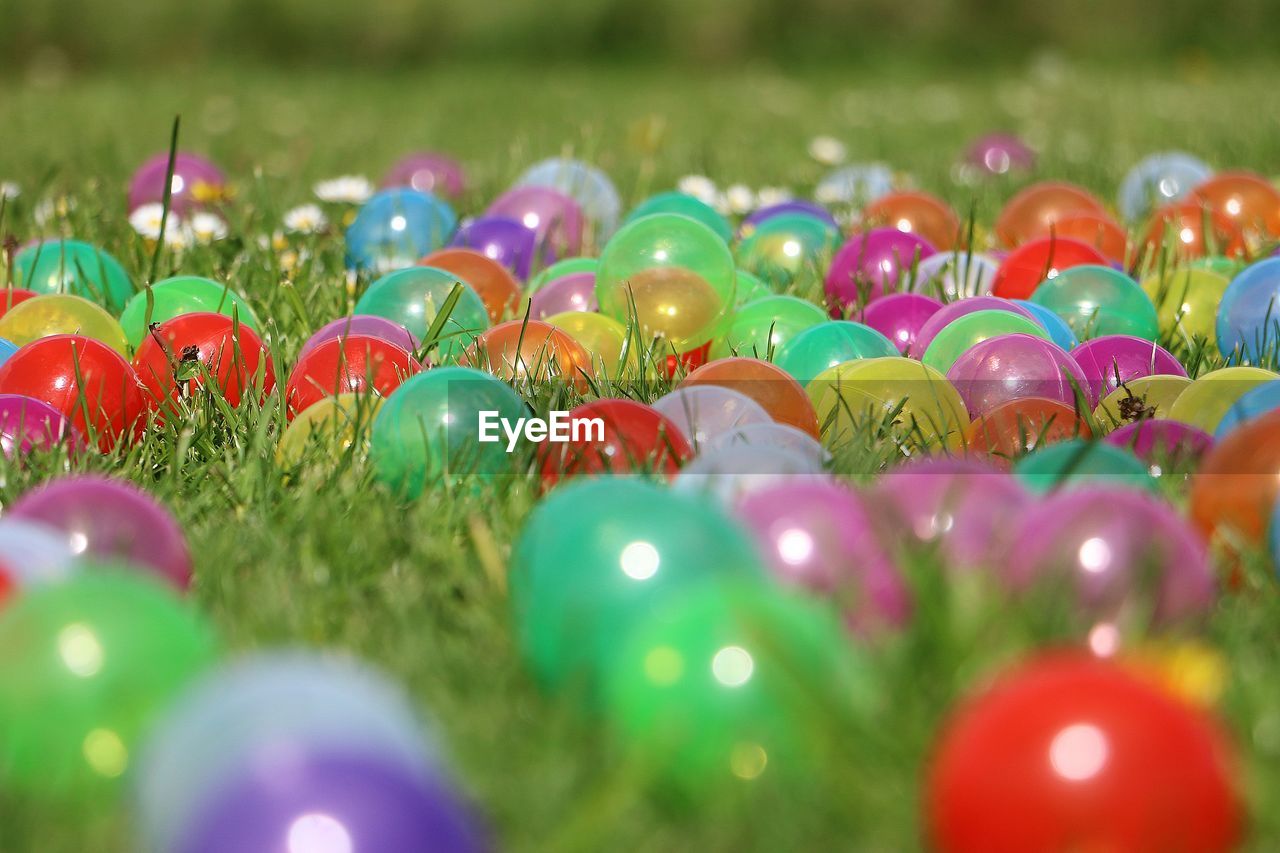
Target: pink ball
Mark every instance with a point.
(572, 292)
(900, 316)
(872, 264)
(554, 217)
(961, 307)
(1156, 440)
(427, 172)
(196, 183)
(362, 324)
(1111, 360)
(1010, 367)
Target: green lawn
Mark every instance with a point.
(330, 560)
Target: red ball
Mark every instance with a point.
(356, 363)
(1068, 752)
(11, 296)
(86, 380)
(636, 438)
(691, 360)
(6, 585)
(233, 354)
(1031, 263)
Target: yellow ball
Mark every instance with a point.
(1153, 394)
(927, 409)
(332, 426)
(1207, 399)
(62, 314)
(1191, 669)
(599, 335)
(1186, 302)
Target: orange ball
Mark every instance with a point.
(1182, 224)
(1248, 201)
(1237, 484)
(917, 213)
(1097, 230)
(1018, 426)
(532, 349)
(769, 385)
(497, 287)
(1032, 212)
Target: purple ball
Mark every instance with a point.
(873, 263)
(28, 424)
(1103, 359)
(554, 217)
(1010, 367)
(963, 505)
(111, 519)
(820, 535)
(1157, 440)
(1123, 551)
(197, 182)
(362, 324)
(572, 292)
(999, 154)
(955, 310)
(427, 172)
(900, 317)
(807, 208)
(504, 240)
(317, 801)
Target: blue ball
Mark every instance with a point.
(396, 228)
(7, 348)
(1158, 179)
(1249, 314)
(1254, 403)
(1059, 332)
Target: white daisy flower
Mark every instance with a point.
(827, 150)
(768, 196)
(348, 189)
(306, 219)
(699, 186)
(10, 190)
(207, 227)
(53, 208)
(179, 238)
(146, 221)
(739, 199)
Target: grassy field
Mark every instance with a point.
(330, 560)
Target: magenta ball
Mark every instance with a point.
(28, 424)
(196, 183)
(1126, 357)
(873, 263)
(999, 154)
(1157, 440)
(1010, 367)
(110, 519)
(427, 172)
(955, 310)
(1119, 551)
(820, 535)
(362, 324)
(961, 505)
(554, 217)
(572, 292)
(900, 317)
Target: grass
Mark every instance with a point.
(326, 558)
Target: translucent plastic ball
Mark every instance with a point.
(765, 325)
(1238, 483)
(196, 183)
(1157, 180)
(955, 275)
(673, 273)
(491, 281)
(602, 337)
(259, 710)
(704, 412)
(34, 553)
(1019, 426)
(1254, 403)
(109, 519)
(728, 475)
(769, 385)
(1023, 269)
(559, 269)
(855, 184)
(1206, 401)
(757, 218)
(1110, 361)
(362, 324)
(597, 555)
(7, 348)
(334, 428)
(75, 267)
(1160, 442)
(181, 355)
(958, 336)
(505, 240)
(683, 205)
(788, 248)
(1000, 154)
(1033, 211)
(185, 294)
(822, 536)
(1187, 230)
(588, 186)
(872, 264)
(1007, 367)
(397, 227)
(61, 314)
(427, 172)
(428, 430)
(960, 506)
(1098, 300)
(573, 292)
(1099, 231)
(530, 351)
(555, 218)
(634, 438)
(773, 435)
(1139, 399)
(1059, 332)
(1187, 302)
(11, 296)
(828, 344)
(1249, 201)
(953, 311)
(1071, 464)
(354, 364)
(414, 298)
(86, 666)
(1248, 322)
(917, 213)
(900, 317)
(28, 424)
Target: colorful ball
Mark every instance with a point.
(362, 324)
(491, 281)
(1207, 400)
(506, 241)
(75, 267)
(765, 326)
(1110, 361)
(1248, 325)
(873, 263)
(900, 317)
(1070, 464)
(186, 352)
(185, 294)
(704, 412)
(683, 204)
(1157, 180)
(414, 298)
(958, 336)
(196, 183)
(355, 364)
(555, 219)
(1035, 261)
(821, 347)
(1034, 211)
(395, 228)
(1097, 301)
(61, 314)
(1007, 367)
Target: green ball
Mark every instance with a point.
(597, 555)
(567, 266)
(184, 294)
(964, 332)
(825, 345)
(684, 205)
(766, 323)
(784, 248)
(1078, 462)
(1218, 264)
(1096, 301)
(75, 267)
(736, 684)
(413, 298)
(428, 430)
(86, 666)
